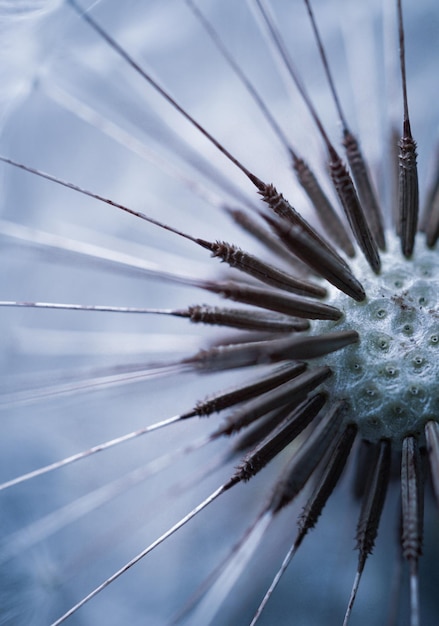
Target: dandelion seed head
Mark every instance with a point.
(87, 101)
(389, 376)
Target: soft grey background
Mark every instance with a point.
(47, 53)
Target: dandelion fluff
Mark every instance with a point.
(72, 107)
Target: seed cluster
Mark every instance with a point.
(388, 377)
(344, 321)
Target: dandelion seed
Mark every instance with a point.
(127, 496)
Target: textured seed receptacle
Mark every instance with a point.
(390, 377)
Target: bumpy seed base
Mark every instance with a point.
(391, 378)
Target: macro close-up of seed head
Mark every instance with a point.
(220, 312)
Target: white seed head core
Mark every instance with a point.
(391, 377)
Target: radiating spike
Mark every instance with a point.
(432, 217)
(408, 191)
(395, 588)
(394, 137)
(363, 460)
(85, 192)
(270, 380)
(274, 301)
(333, 467)
(86, 381)
(287, 560)
(334, 463)
(305, 461)
(291, 394)
(239, 72)
(227, 252)
(84, 307)
(264, 352)
(364, 186)
(281, 437)
(244, 319)
(251, 265)
(163, 93)
(238, 318)
(87, 113)
(281, 48)
(235, 318)
(250, 225)
(408, 170)
(184, 520)
(340, 176)
(432, 436)
(373, 502)
(338, 274)
(218, 586)
(332, 223)
(412, 502)
(353, 209)
(215, 404)
(283, 209)
(370, 515)
(326, 64)
(268, 191)
(432, 192)
(89, 452)
(234, 480)
(256, 432)
(39, 530)
(99, 256)
(206, 591)
(354, 155)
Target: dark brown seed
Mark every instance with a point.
(225, 400)
(364, 187)
(284, 434)
(291, 394)
(305, 461)
(332, 223)
(408, 191)
(275, 301)
(432, 435)
(261, 429)
(266, 273)
(373, 501)
(327, 481)
(264, 352)
(285, 211)
(353, 210)
(431, 215)
(355, 158)
(310, 252)
(408, 196)
(412, 506)
(250, 225)
(411, 500)
(244, 319)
